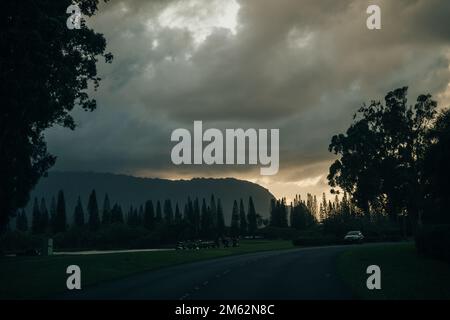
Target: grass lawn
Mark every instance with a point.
(40, 277)
(404, 273)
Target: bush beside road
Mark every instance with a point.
(434, 241)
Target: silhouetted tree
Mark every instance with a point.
(345, 207)
(189, 212)
(436, 170)
(168, 211)
(330, 208)
(274, 219)
(149, 215)
(78, 215)
(220, 219)
(45, 219)
(206, 221)
(283, 213)
(301, 216)
(278, 213)
(311, 204)
(133, 217)
(324, 206)
(22, 221)
(92, 209)
(178, 216)
(196, 218)
(158, 212)
(60, 216)
(106, 214)
(44, 76)
(260, 221)
(381, 152)
(53, 214)
(36, 218)
(242, 219)
(234, 230)
(117, 214)
(213, 213)
(140, 216)
(251, 217)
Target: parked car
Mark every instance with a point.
(354, 236)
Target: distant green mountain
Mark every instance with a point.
(128, 190)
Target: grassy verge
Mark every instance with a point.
(40, 277)
(404, 274)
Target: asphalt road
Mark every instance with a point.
(308, 273)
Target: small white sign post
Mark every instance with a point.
(47, 247)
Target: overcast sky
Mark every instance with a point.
(301, 66)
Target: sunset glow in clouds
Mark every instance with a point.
(301, 66)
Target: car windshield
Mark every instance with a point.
(353, 233)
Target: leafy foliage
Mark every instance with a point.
(434, 241)
(46, 70)
(381, 155)
(437, 172)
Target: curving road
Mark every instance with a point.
(307, 273)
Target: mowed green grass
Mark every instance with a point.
(404, 273)
(41, 277)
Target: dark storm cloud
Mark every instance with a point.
(301, 66)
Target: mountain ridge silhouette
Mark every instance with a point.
(128, 190)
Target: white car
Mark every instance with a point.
(354, 236)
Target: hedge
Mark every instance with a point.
(317, 241)
(434, 241)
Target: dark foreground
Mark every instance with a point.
(308, 273)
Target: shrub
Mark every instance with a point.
(16, 242)
(317, 241)
(114, 236)
(274, 233)
(75, 238)
(434, 241)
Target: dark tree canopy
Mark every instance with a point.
(278, 213)
(36, 218)
(213, 213)
(60, 221)
(158, 212)
(437, 171)
(301, 216)
(168, 211)
(44, 224)
(206, 221)
(234, 230)
(46, 69)
(117, 214)
(251, 217)
(243, 228)
(196, 217)
(220, 219)
(22, 221)
(178, 216)
(93, 212)
(381, 155)
(79, 214)
(149, 215)
(106, 213)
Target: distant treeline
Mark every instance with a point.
(202, 218)
(199, 218)
(156, 223)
